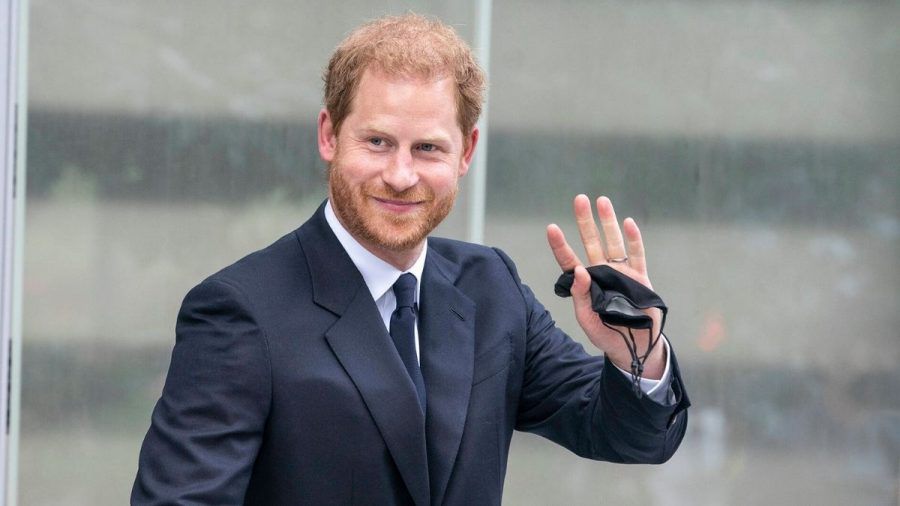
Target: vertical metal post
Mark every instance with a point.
(478, 176)
(12, 207)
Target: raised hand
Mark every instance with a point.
(626, 255)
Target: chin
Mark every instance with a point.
(397, 239)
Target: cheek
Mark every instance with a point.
(357, 168)
(442, 181)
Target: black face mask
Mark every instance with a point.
(617, 298)
(619, 301)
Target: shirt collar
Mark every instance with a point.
(378, 274)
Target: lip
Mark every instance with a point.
(398, 206)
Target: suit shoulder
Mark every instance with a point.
(475, 260)
(282, 259)
(463, 253)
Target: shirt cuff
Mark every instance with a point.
(659, 391)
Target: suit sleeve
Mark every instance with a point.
(573, 399)
(207, 427)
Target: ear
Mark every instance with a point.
(469, 142)
(327, 137)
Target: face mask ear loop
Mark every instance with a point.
(651, 343)
(637, 367)
(652, 340)
(637, 363)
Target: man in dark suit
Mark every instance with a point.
(357, 361)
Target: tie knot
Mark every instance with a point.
(405, 290)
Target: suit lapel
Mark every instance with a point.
(365, 350)
(447, 346)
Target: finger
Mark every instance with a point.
(581, 290)
(636, 257)
(565, 257)
(587, 227)
(615, 245)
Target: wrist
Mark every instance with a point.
(652, 368)
(655, 365)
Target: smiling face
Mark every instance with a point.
(395, 164)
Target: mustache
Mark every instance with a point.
(415, 193)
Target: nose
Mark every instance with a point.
(401, 173)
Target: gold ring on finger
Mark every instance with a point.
(617, 260)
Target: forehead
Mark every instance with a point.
(413, 98)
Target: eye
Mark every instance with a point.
(427, 147)
(376, 141)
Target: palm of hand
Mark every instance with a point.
(626, 255)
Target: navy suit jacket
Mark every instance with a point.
(285, 387)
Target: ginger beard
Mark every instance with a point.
(390, 231)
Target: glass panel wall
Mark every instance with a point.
(758, 145)
(166, 140)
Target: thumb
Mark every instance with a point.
(581, 288)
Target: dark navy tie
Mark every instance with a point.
(403, 331)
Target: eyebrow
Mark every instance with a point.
(439, 139)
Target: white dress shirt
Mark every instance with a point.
(380, 277)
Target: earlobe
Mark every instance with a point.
(327, 138)
(470, 142)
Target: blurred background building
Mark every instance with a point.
(756, 142)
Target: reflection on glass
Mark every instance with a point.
(755, 143)
(165, 141)
(767, 192)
